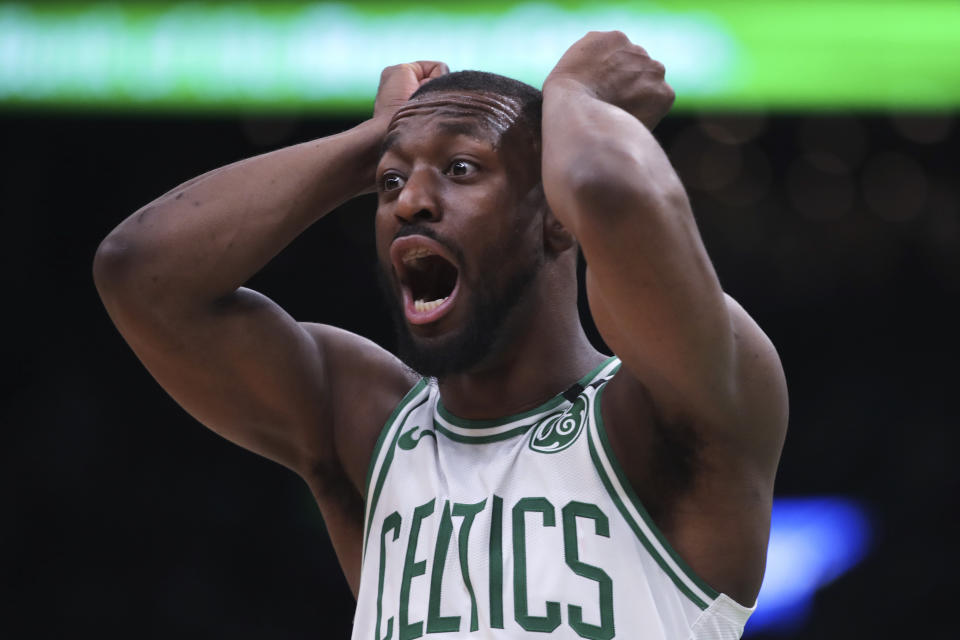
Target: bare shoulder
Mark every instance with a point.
(365, 382)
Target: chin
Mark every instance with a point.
(443, 355)
(438, 350)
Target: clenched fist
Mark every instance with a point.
(397, 84)
(618, 72)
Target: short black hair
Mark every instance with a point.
(530, 99)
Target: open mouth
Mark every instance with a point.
(428, 277)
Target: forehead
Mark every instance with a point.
(478, 115)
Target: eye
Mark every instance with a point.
(392, 182)
(461, 168)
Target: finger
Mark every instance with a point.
(441, 69)
(429, 69)
(618, 36)
(670, 95)
(388, 71)
(607, 38)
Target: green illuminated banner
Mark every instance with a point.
(326, 57)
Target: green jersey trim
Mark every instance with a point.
(405, 406)
(484, 431)
(482, 439)
(464, 423)
(386, 427)
(636, 516)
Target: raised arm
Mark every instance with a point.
(171, 278)
(698, 412)
(652, 289)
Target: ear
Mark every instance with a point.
(556, 238)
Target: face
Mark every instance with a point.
(459, 234)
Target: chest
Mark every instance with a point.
(493, 527)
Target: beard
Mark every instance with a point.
(481, 336)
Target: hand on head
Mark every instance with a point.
(398, 82)
(604, 63)
(615, 70)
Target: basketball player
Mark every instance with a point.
(526, 484)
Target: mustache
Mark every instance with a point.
(417, 229)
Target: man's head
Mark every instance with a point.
(463, 228)
(527, 100)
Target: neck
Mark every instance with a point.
(547, 354)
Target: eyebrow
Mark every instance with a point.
(388, 141)
(452, 128)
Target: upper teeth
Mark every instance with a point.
(416, 254)
(422, 306)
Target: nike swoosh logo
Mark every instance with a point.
(408, 442)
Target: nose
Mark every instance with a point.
(418, 198)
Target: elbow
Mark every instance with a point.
(112, 262)
(130, 296)
(119, 266)
(122, 256)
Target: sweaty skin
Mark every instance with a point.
(697, 414)
(498, 113)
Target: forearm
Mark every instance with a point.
(652, 289)
(598, 155)
(205, 238)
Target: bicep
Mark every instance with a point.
(657, 300)
(749, 426)
(242, 367)
(760, 425)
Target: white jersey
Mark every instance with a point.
(519, 527)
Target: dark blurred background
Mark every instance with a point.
(125, 517)
(819, 144)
